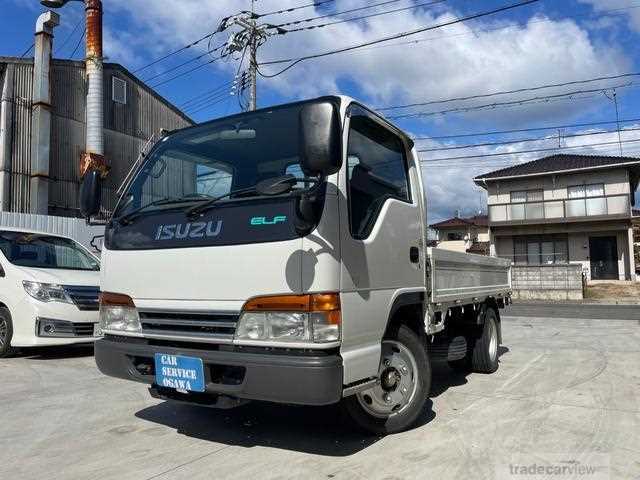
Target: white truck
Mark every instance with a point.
(279, 255)
(48, 290)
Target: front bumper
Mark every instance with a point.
(27, 314)
(281, 378)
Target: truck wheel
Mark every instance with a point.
(404, 381)
(484, 349)
(6, 332)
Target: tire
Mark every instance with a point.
(6, 333)
(384, 409)
(483, 353)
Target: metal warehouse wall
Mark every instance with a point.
(127, 127)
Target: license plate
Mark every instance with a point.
(181, 373)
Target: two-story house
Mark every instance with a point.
(470, 234)
(565, 209)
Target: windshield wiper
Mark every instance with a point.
(268, 187)
(205, 205)
(128, 218)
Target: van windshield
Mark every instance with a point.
(45, 251)
(215, 158)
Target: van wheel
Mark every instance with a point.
(484, 349)
(6, 333)
(404, 381)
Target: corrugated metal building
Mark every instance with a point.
(133, 112)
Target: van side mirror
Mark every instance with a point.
(90, 194)
(2, 274)
(320, 139)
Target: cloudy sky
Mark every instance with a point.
(548, 42)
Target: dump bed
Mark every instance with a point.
(455, 277)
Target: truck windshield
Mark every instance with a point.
(212, 159)
(45, 251)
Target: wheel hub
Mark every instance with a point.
(397, 382)
(389, 379)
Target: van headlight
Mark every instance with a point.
(118, 313)
(291, 318)
(46, 292)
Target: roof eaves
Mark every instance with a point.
(554, 172)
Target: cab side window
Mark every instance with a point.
(376, 171)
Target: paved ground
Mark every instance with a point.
(567, 389)
(574, 310)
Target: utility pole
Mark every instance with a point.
(251, 36)
(253, 62)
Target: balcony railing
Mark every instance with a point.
(560, 210)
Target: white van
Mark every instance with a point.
(48, 290)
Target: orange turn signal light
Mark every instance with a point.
(119, 299)
(317, 302)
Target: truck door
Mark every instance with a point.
(381, 237)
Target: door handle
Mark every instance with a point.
(414, 255)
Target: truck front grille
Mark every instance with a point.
(212, 327)
(85, 298)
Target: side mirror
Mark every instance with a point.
(90, 194)
(2, 274)
(320, 139)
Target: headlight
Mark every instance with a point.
(291, 318)
(119, 313)
(46, 292)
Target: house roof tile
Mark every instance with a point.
(557, 163)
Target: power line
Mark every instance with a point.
(485, 30)
(77, 45)
(188, 62)
(66, 40)
(507, 103)
(206, 101)
(186, 72)
(293, 9)
(27, 50)
(335, 14)
(175, 52)
(294, 61)
(509, 92)
(525, 140)
(536, 150)
(209, 105)
(197, 98)
(523, 130)
(362, 17)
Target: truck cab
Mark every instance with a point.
(279, 255)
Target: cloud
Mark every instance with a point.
(449, 184)
(491, 54)
(632, 14)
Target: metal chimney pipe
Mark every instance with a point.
(94, 70)
(41, 113)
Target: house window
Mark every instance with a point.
(119, 90)
(455, 236)
(526, 205)
(586, 200)
(540, 250)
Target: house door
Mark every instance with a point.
(604, 258)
